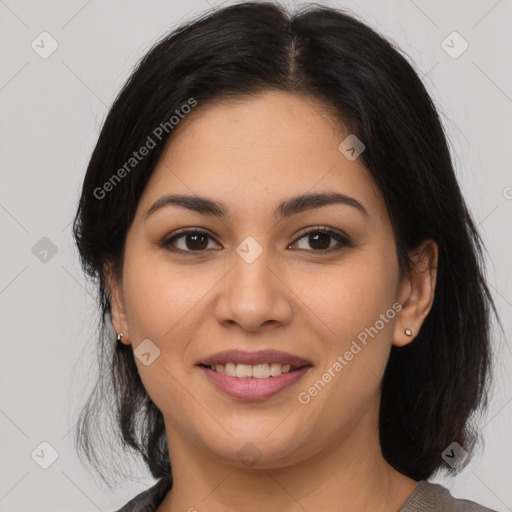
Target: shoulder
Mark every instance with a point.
(150, 499)
(434, 497)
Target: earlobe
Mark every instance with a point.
(417, 293)
(121, 339)
(114, 289)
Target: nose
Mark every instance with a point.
(254, 294)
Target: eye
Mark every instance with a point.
(321, 236)
(194, 241)
(197, 241)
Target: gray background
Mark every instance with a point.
(51, 113)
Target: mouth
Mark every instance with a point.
(253, 375)
(258, 371)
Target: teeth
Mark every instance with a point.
(243, 370)
(230, 369)
(261, 371)
(258, 371)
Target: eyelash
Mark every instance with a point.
(344, 240)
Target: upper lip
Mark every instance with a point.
(252, 358)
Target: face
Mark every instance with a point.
(318, 281)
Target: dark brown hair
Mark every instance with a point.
(431, 387)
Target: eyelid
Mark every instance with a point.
(166, 242)
(344, 239)
(317, 227)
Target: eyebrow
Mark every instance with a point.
(285, 209)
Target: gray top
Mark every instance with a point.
(427, 497)
(434, 497)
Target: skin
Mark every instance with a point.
(251, 154)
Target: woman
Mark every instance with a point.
(295, 282)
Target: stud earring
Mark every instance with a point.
(120, 337)
(408, 332)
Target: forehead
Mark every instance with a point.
(254, 151)
(272, 123)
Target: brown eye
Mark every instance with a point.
(319, 240)
(193, 241)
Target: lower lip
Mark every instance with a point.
(250, 388)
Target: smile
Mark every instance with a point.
(258, 371)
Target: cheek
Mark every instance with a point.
(158, 295)
(166, 303)
(160, 306)
(352, 307)
(348, 298)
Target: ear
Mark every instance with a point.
(115, 290)
(417, 292)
